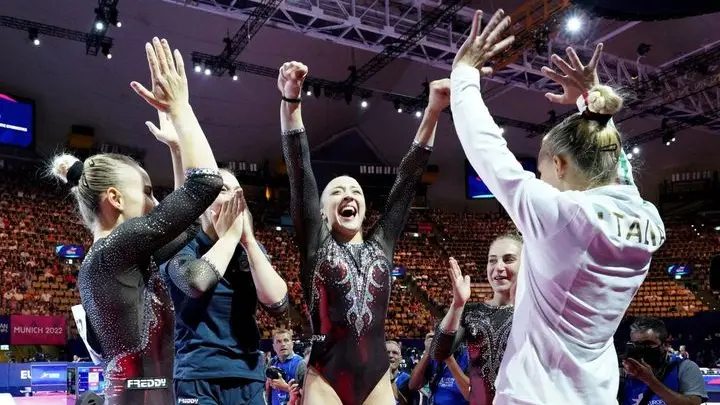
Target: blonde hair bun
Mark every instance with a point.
(61, 164)
(603, 99)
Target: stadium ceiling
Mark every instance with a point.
(371, 25)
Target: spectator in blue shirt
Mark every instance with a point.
(215, 283)
(399, 378)
(291, 365)
(448, 381)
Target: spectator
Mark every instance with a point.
(650, 378)
(291, 368)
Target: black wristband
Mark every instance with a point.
(292, 100)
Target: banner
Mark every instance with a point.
(4, 330)
(37, 330)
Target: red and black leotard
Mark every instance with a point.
(129, 311)
(347, 286)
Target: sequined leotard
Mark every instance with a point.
(485, 329)
(129, 311)
(348, 286)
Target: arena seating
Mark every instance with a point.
(34, 217)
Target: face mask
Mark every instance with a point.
(654, 356)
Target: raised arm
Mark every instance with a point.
(412, 167)
(139, 238)
(304, 196)
(167, 135)
(271, 289)
(537, 208)
(450, 332)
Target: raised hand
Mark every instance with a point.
(230, 217)
(460, 285)
(291, 78)
(439, 95)
(166, 133)
(478, 49)
(578, 78)
(248, 235)
(167, 75)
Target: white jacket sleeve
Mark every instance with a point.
(538, 209)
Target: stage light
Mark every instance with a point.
(198, 69)
(399, 110)
(233, 73)
(33, 35)
(636, 150)
(119, 24)
(418, 114)
(99, 25)
(574, 24)
(364, 104)
(629, 156)
(105, 48)
(235, 77)
(208, 72)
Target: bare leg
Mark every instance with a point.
(382, 394)
(317, 390)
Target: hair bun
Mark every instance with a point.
(63, 165)
(603, 99)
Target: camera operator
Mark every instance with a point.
(284, 369)
(652, 378)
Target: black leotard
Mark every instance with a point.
(129, 311)
(485, 329)
(348, 286)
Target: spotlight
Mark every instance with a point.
(99, 25)
(33, 35)
(235, 77)
(629, 156)
(105, 48)
(118, 24)
(399, 110)
(364, 104)
(198, 69)
(574, 24)
(233, 73)
(208, 72)
(636, 150)
(308, 92)
(418, 114)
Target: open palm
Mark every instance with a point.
(577, 78)
(460, 284)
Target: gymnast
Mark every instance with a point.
(589, 235)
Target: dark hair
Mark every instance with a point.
(593, 146)
(99, 173)
(650, 323)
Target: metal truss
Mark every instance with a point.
(370, 24)
(106, 14)
(409, 40)
(50, 30)
(340, 90)
(257, 18)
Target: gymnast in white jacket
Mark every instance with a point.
(589, 235)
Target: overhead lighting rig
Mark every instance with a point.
(398, 47)
(36, 30)
(106, 15)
